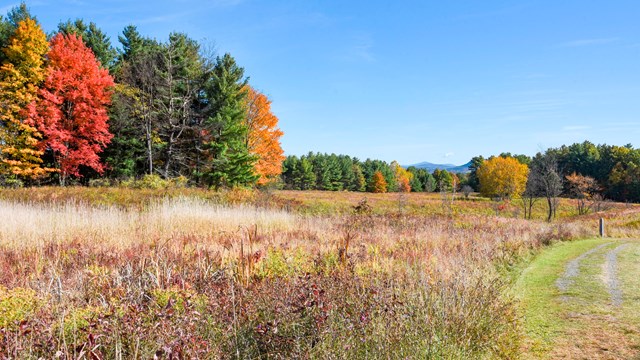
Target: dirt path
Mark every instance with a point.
(610, 275)
(573, 269)
(581, 300)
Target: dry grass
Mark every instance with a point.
(36, 225)
(237, 275)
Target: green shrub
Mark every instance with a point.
(12, 183)
(102, 182)
(17, 305)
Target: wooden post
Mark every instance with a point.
(601, 227)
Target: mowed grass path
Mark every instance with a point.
(581, 300)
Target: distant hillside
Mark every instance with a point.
(449, 167)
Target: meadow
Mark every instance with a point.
(186, 273)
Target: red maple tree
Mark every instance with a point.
(71, 111)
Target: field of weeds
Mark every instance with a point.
(119, 273)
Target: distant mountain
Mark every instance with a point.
(449, 167)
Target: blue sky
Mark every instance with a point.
(412, 81)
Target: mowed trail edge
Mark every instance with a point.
(581, 300)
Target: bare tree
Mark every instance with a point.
(467, 190)
(547, 180)
(530, 196)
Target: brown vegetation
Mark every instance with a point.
(246, 275)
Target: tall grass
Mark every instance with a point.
(199, 277)
(29, 225)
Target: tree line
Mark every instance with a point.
(584, 171)
(73, 108)
(316, 171)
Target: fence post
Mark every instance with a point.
(601, 227)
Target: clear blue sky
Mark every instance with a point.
(412, 81)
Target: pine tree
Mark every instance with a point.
(20, 75)
(93, 38)
(359, 182)
(306, 176)
(231, 163)
(9, 24)
(132, 43)
(180, 76)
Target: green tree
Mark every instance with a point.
(522, 159)
(138, 73)
(359, 182)
(473, 181)
(443, 180)
(9, 24)
(94, 39)
(304, 175)
(231, 164)
(132, 43)
(370, 167)
(125, 155)
(181, 78)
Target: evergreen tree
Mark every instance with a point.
(94, 39)
(231, 163)
(306, 179)
(359, 182)
(139, 98)
(181, 76)
(9, 24)
(473, 181)
(125, 155)
(416, 184)
(289, 166)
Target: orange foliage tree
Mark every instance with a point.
(583, 188)
(20, 75)
(263, 138)
(378, 183)
(71, 111)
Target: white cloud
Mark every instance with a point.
(589, 42)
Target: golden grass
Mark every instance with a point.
(28, 225)
(77, 248)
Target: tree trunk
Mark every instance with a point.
(169, 155)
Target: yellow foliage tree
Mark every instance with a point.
(403, 177)
(20, 76)
(503, 177)
(263, 136)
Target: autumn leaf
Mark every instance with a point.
(263, 138)
(20, 75)
(379, 184)
(71, 112)
(503, 177)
